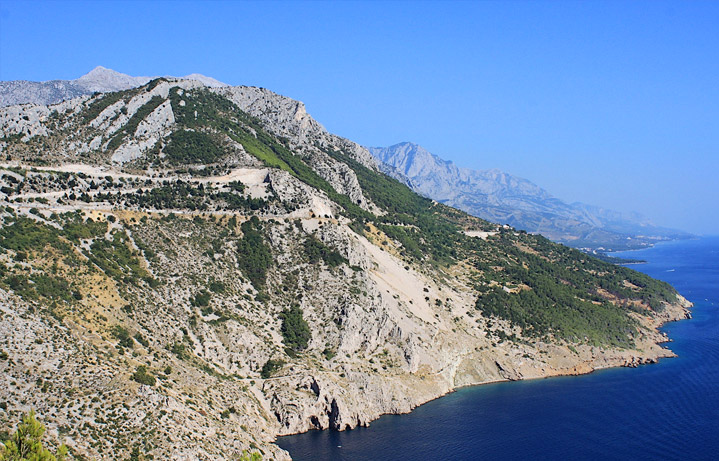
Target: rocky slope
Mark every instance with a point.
(499, 197)
(190, 272)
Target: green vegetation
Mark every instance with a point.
(328, 353)
(559, 293)
(588, 274)
(36, 286)
(270, 367)
(187, 147)
(562, 298)
(424, 229)
(550, 308)
(24, 234)
(201, 299)
(315, 251)
(295, 331)
(141, 339)
(254, 255)
(121, 333)
(179, 350)
(102, 102)
(116, 259)
(26, 443)
(181, 195)
(247, 456)
(217, 287)
(75, 229)
(177, 195)
(546, 290)
(27, 237)
(142, 376)
(209, 111)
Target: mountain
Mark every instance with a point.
(99, 79)
(499, 197)
(188, 272)
(103, 80)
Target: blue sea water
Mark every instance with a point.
(665, 411)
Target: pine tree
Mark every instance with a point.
(246, 456)
(25, 444)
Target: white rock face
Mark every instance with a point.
(284, 116)
(152, 128)
(158, 121)
(289, 119)
(24, 121)
(132, 150)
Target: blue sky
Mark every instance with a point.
(610, 103)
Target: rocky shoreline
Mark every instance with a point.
(337, 408)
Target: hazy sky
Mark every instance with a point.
(610, 103)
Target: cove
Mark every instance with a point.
(668, 410)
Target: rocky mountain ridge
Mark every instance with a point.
(98, 80)
(190, 272)
(499, 197)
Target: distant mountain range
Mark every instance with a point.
(500, 197)
(98, 80)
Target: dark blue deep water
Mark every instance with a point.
(668, 410)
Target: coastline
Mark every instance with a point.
(648, 351)
(431, 354)
(604, 412)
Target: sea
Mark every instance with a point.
(663, 411)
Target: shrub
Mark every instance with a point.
(270, 367)
(316, 250)
(255, 257)
(295, 331)
(201, 299)
(142, 377)
(123, 336)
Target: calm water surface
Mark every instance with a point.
(665, 411)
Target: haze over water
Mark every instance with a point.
(668, 410)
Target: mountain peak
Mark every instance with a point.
(103, 79)
(99, 70)
(205, 80)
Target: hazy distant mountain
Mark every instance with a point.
(503, 198)
(98, 80)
